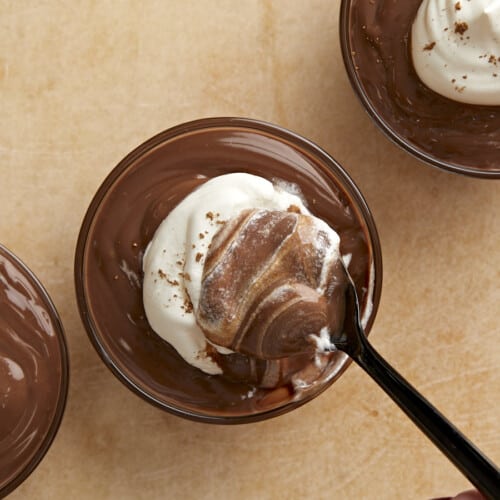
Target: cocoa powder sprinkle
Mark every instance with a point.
(185, 276)
(188, 306)
(430, 46)
(461, 27)
(164, 276)
(293, 209)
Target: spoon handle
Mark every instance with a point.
(467, 458)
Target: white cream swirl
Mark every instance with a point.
(456, 49)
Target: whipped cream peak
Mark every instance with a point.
(456, 49)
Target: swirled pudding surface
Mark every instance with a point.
(31, 370)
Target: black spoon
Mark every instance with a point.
(352, 340)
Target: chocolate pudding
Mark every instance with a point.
(129, 207)
(33, 372)
(376, 45)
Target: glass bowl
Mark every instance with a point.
(34, 372)
(123, 216)
(375, 42)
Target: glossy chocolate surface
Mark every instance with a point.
(377, 50)
(121, 221)
(33, 372)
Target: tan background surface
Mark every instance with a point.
(84, 82)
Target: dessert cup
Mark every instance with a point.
(123, 216)
(450, 135)
(34, 372)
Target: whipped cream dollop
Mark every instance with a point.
(173, 261)
(455, 48)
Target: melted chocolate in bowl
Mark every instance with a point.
(375, 38)
(33, 372)
(131, 204)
